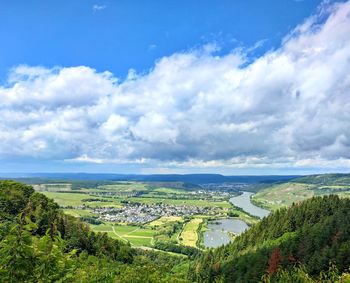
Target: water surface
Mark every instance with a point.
(217, 234)
(243, 201)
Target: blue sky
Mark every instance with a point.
(119, 35)
(233, 87)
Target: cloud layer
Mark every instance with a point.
(290, 107)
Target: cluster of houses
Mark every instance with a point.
(142, 213)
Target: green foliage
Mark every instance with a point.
(171, 247)
(38, 243)
(325, 179)
(232, 214)
(13, 198)
(313, 233)
(28, 258)
(298, 274)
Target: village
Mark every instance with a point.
(143, 213)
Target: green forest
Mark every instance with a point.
(307, 242)
(39, 243)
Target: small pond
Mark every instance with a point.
(217, 234)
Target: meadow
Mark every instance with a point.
(189, 235)
(136, 236)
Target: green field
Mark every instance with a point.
(79, 212)
(170, 191)
(189, 235)
(124, 187)
(135, 235)
(180, 202)
(164, 220)
(75, 199)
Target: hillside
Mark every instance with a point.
(302, 188)
(312, 233)
(325, 179)
(39, 243)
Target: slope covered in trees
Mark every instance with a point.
(312, 233)
(38, 243)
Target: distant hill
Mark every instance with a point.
(325, 179)
(186, 178)
(313, 233)
(298, 189)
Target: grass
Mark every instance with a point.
(189, 235)
(124, 187)
(65, 199)
(137, 236)
(165, 219)
(102, 227)
(180, 202)
(79, 212)
(75, 199)
(140, 242)
(285, 194)
(170, 190)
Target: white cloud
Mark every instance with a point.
(97, 7)
(290, 107)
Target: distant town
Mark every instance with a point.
(143, 213)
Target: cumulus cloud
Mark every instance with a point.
(287, 108)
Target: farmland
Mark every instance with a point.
(189, 235)
(144, 214)
(136, 236)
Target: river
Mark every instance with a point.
(218, 233)
(243, 201)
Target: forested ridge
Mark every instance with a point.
(312, 234)
(325, 179)
(39, 243)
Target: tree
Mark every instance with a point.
(274, 261)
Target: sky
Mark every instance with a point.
(230, 87)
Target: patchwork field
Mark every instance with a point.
(77, 199)
(165, 219)
(97, 203)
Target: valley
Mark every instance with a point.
(179, 232)
(165, 215)
(150, 214)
